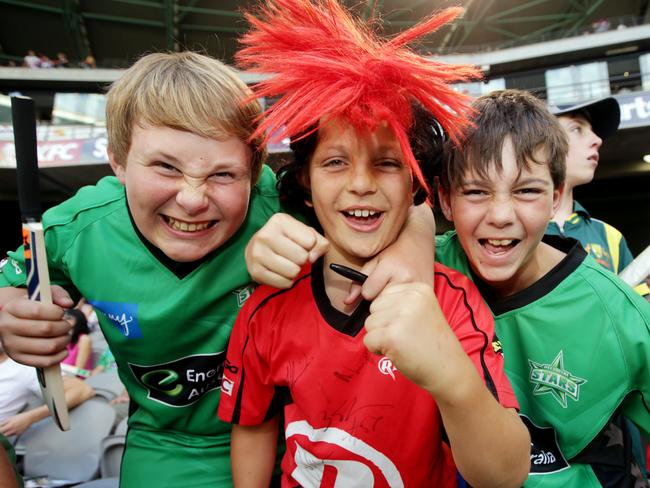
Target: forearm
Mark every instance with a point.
(7, 473)
(473, 422)
(252, 454)
(36, 414)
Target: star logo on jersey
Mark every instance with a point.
(555, 380)
(244, 294)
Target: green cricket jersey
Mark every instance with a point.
(577, 351)
(166, 323)
(604, 242)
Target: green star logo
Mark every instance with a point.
(554, 379)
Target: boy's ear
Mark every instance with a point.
(117, 168)
(445, 203)
(305, 183)
(558, 193)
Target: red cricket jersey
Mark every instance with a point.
(350, 418)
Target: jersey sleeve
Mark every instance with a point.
(12, 269)
(247, 390)
(473, 324)
(633, 325)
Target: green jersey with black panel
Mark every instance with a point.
(576, 346)
(166, 323)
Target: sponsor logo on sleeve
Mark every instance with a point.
(17, 269)
(181, 382)
(244, 294)
(123, 316)
(228, 384)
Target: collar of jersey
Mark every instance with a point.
(181, 270)
(575, 255)
(346, 324)
(579, 209)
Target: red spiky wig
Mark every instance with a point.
(325, 64)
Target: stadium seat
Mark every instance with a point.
(106, 384)
(74, 455)
(101, 483)
(111, 450)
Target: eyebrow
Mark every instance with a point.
(163, 155)
(532, 181)
(526, 181)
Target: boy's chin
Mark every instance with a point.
(183, 252)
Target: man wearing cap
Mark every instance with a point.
(586, 126)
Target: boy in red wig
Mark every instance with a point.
(363, 406)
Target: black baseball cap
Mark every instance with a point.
(604, 115)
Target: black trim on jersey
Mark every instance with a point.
(181, 270)
(236, 412)
(347, 324)
(575, 255)
(611, 455)
(489, 382)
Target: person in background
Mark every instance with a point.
(80, 348)
(31, 60)
(18, 384)
(586, 126)
(61, 60)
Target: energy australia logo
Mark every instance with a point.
(124, 316)
(182, 382)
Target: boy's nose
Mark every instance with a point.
(362, 180)
(501, 212)
(192, 196)
(595, 140)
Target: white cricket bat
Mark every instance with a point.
(38, 276)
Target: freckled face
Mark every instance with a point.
(187, 194)
(360, 190)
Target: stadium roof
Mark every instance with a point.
(117, 31)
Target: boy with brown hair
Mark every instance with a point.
(558, 313)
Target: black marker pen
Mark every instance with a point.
(349, 273)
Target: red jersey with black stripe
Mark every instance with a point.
(350, 418)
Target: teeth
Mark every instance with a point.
(361, 213)
(500, 242)
(187, 226)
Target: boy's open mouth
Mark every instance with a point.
(183, 226)
(498, 246)
(362, 215)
